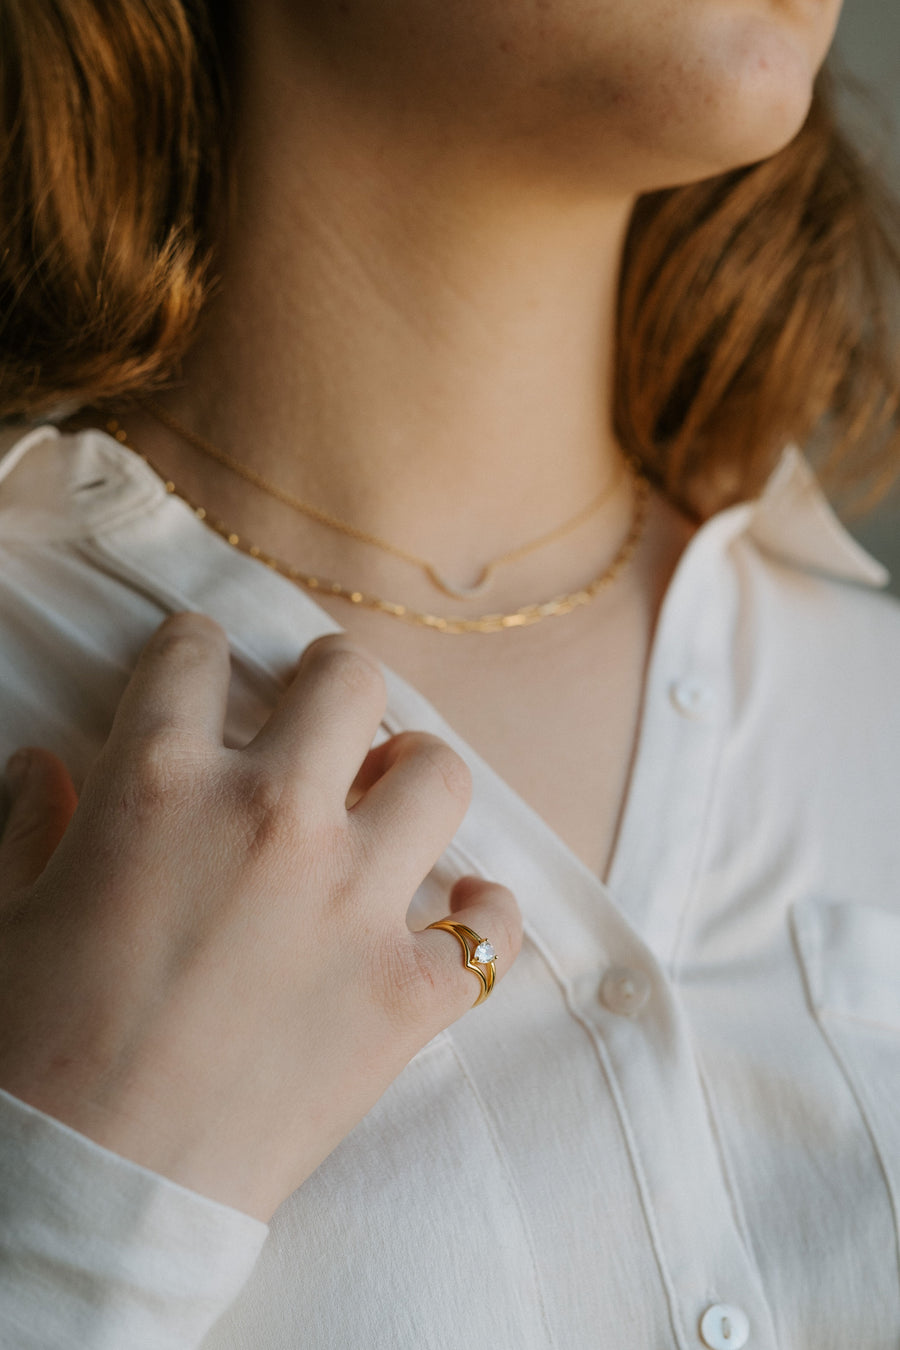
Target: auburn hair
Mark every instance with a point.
(755, 308)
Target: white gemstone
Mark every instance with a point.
(484, 952)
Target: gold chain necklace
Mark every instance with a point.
(484, 623)
(365, 536)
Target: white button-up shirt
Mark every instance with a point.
(675, 1123)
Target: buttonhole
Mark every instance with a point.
(94, 483)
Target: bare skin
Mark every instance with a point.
(415, 329)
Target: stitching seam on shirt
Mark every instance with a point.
(691, 889)
(732, 1190)
(640, 1177)
(683, 1342)
(507, 1167)
(120, 514)
(806, 940)
(703, 829)
(860, 1095)
(702, 842)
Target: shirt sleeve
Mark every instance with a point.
(100, 1253)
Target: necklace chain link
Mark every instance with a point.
(484, 623)
(333, 522)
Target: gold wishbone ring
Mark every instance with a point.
(480, 956)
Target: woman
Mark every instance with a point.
(409, 336)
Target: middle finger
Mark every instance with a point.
(325, 721)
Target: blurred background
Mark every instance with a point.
(868, 49)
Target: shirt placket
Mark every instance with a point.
(614, 971)
(714, 1285)
(687, 711)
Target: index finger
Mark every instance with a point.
(180, 682)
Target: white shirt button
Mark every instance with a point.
(724, 1327)
(624, 991)
(691, 697)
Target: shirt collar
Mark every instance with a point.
(793, 521)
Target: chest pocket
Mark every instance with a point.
(851, 960)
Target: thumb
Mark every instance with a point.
(43, 799)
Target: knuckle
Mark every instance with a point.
(161, 766)
(186, 644)
(192, 621)
(447, 767)
(348, 668)
(271, 817)
(407, 981)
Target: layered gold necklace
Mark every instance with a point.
(525, 616)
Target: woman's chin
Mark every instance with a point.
(773, 125)
(723, 86)
(742, 107)
(772, 91)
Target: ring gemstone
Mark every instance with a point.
(484, 952)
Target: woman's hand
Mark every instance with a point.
(212, 974)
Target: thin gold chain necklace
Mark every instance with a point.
(344, 527)
(484, 623)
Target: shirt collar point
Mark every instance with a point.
(793, 521)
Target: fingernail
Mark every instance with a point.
(17, 767)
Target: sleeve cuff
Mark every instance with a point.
(97, 1251)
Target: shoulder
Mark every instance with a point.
(813, 599)
(816, 716)
(843, 633)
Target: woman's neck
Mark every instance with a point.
(404, 334)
